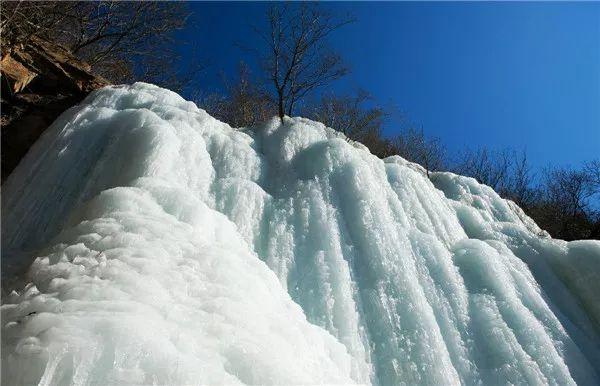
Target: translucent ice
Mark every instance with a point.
(146, 242)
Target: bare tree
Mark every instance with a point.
(245, 103)
(489, 167)
(592, 169)
(519, 185)
(121, 40)
(348, 115)
(297, 60)
(352, 116)
(570, 189)
(565, 209)
(139, 32)
(22, 20)
(561, 202)
(415, 147)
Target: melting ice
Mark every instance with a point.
(145, 242)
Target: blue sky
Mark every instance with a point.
(518, 75)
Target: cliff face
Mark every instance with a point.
(40, 80)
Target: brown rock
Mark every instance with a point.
(16, 75)
(40, 80)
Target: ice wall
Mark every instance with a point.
(155, 244)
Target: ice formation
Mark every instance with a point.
(154, 244)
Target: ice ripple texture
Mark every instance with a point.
(145, 242)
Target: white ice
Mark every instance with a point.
(145, 242)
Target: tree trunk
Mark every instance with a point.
(281, 108)
(291, 107)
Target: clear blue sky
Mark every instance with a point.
(518, 75)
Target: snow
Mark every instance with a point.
(145, 242)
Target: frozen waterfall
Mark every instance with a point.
(144, 242)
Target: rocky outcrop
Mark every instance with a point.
(15, 74)
(40, 80)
